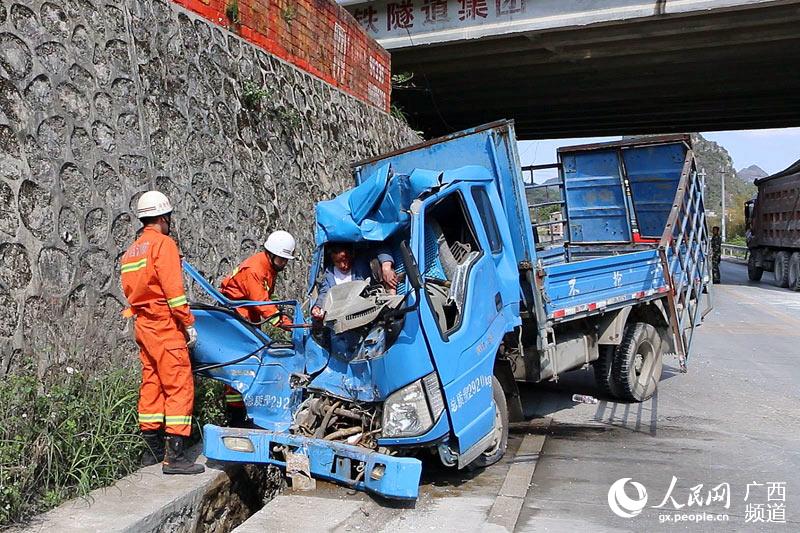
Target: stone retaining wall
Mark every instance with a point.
(101, 100)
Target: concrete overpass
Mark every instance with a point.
(577, 67)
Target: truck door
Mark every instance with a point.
(462, 307)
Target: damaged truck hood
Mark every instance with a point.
(374, 211)
(378, 208)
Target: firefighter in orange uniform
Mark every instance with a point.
(254, 279)
(153, 284)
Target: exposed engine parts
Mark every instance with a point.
(355, 304)
(334, 419)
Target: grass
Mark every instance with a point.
(232, 12)
(72, 432)
(253, 94)
(737, 240)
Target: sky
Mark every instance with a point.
(772, 149)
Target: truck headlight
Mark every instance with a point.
(238, 444)
(410, 411)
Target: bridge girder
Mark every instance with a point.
(736, 68)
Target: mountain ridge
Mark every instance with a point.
(753, 172)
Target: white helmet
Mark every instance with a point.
(280, 243)
(153, 204)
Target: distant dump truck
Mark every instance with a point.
(773, 228)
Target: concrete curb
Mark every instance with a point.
(735, 260)
(508, 505)
(307, 512)
(148, 501)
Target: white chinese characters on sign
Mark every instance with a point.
(771, 510)
(717, 494)
(573, 290)
(468, 391)
(267, 400)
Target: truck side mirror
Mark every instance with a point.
(412, 270)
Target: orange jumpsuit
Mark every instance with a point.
(254, 279)
(152, 281)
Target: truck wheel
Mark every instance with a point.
(781, 269)
(637, 362)
(754, 272)
(602, 371)
(794, 271)
(498, 447)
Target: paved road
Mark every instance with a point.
(733, 418)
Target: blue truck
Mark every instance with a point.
(486, 300)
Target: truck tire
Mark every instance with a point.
(754, 272)
(602, 371)
(637, 362)
(794, 271)
(498, 447)
(781, 269)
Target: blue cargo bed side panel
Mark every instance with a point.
(596, 201)
(653, 173)
(608, 280)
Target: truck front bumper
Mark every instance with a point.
(359, 468)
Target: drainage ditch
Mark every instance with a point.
(228, 504)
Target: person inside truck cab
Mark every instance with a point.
(344, 266)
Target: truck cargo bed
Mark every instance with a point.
(595, 284)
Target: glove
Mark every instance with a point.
(317, 313)
(191, 334)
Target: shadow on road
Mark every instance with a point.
(549, 398)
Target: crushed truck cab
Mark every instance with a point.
(483, 302)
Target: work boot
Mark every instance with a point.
(175, 461)
(154, 447)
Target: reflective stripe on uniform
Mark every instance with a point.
(274, 321)
(231, 398)
(134, 266)
(151, 417)
(177, 301)
(178, 420)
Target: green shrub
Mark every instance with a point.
(209, 406)
(737, 240)
(72, 432)
(64, 436)
(232, 12)
(253, 94)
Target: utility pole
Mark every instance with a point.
(724, 233)
(702, 174)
